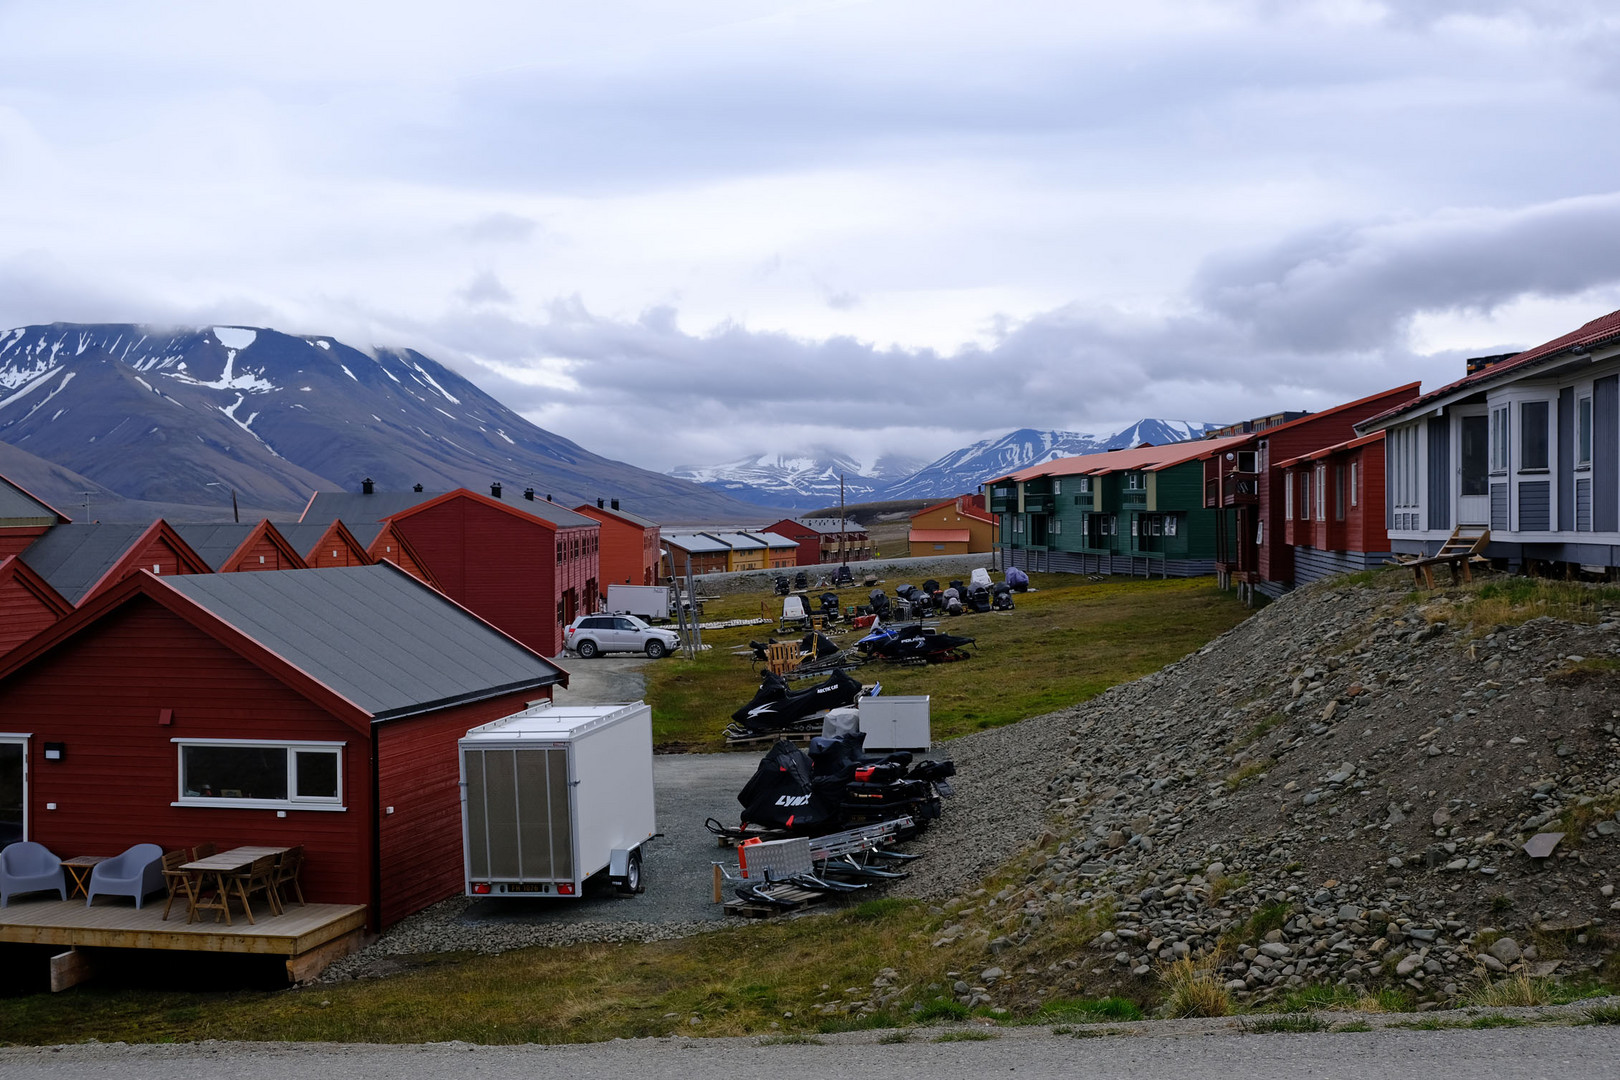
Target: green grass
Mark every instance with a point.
(1087, 1010)
(791, 1040)
(941, 1009)
(1495, 1020)
(1354, 1025)
(1604, 1014)
(1311, 998)
(965, 1036)
(1064, 643)
(1293, 1023)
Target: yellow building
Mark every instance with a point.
(959, 526)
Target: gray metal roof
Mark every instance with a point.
(329, 505)
(774, 540)
(741, 541)
(74, 557)
(374, 634)
(215, 543)
(303, 537)
(831, 525)
(694, 542)
(18, 508)
(634, 519)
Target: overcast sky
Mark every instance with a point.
(684, 233)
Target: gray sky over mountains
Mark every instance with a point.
(680, 234)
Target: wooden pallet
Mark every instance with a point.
(799, 898)
(1462, 549)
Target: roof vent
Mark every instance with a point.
(495, 489)
(614, 504)
(417, 489)
(599, 504)
(367, 487)
(528, 493)
(548, 498)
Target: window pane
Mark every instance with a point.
(317, 774)
(1583, 409)
(235, 772)
(1533, 416)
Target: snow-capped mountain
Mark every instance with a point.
(182, 416)
(962, 471)
(800, 481)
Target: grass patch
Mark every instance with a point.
(1087, 1010)
(1519, 990)
(1260, 923)
(1604, 1014)
(889, 1038)
(965, 1036)
(1354, 1025)
(1312, 998)
(1428, 1023)
(1291, 1024)
(1193, 990)
(791, 1040)
(1248, 772)
(1495, 1020)
(941, 1009)
(1387, 1000)
(1123, 628)
(1480, 609)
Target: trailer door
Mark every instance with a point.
(519, 825)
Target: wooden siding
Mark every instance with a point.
(1606, 454)
(1439, 493)
(627, 553)
(15, 541)
(418, 775)
(262, 554)
(1566, 459)
(1583, 504)
(101, 694)
(1312, 564)
(388, 546)
(23, 613)
(337, 547)
(1535, 505)
(1499, 507)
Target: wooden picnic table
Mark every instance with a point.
(224, 866)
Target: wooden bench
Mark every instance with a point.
(1462, 549)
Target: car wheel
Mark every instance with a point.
(633, 883)
(586, 649)
(656, 649)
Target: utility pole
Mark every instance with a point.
(843, 528)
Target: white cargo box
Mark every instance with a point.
(896, 723)
(554, 795)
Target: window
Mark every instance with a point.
(1056, 526)
(1085, 485)
(1135, 482)
(1338, 493)
(1170, 524)
(1499, 439)
(1583, 430)
(237, 772)
(1288, 496)
(1304, 496)
(1057, 487)
(1533, 435)
(1355, 478)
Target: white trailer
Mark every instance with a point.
(648, 601)
(554, 795)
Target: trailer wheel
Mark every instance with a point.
(632, 882)
(655, 649)
(586, 649)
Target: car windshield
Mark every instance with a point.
(637, 623)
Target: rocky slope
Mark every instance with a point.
(1336, 792)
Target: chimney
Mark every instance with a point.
(495, 489)
(1480, 363)
(614, 504)
(528, 493)
(599, 504)
(417, 489)
(367, 487)
(548, 498)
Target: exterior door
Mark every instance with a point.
(1473, 469)
(13, 789)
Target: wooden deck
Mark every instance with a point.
(310, 936)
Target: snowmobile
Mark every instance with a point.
(918, 644)
(843, 579)
(1001, 596)
(879, 601)
(775, 707)
(781, 585)
(978, 599)
(1017, 579)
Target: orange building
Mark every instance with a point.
(630, 545)
(959, 526)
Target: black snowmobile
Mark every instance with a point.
(978, 599)
(782, 585)
(879, 601)
(918, 644)
(775, 707)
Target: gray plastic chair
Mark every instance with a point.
(136, 872)
(29, 867)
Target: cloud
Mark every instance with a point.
(499, 228)
(486, 288)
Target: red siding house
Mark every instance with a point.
(825, 540)
(28, 604)
(24, 518)
(527, 567)
(82, 561)
(237, 548)
(322, 546)
(629, 545)
(1242, 480)
(313, 707)
(1333, 508)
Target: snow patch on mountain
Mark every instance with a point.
(235, 337)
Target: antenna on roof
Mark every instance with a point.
(417, 489)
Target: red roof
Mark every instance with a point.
(1599, 331)
(1328, 451)
(1146, 458)
(963, 505)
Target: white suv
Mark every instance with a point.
(592, 635)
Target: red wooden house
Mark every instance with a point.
(629, 545)
(81, 561)
(313, 707)
(1333, 507)
(329, 545)
(24, 518)
(28, 604)
(235, 548)
(825, 540)
(1242, 480)
(526, 566)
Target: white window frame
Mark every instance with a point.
(1135, 481)
(1501, 437)
(1056, 527)
(1170, 524)
(1085, 485)
(1321, 493)
(1355, 477)
(1583, 429)
(1057, 487)
(1288, 495)
(1550, 412)
(293, 801)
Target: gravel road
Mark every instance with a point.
(1510, 1054)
